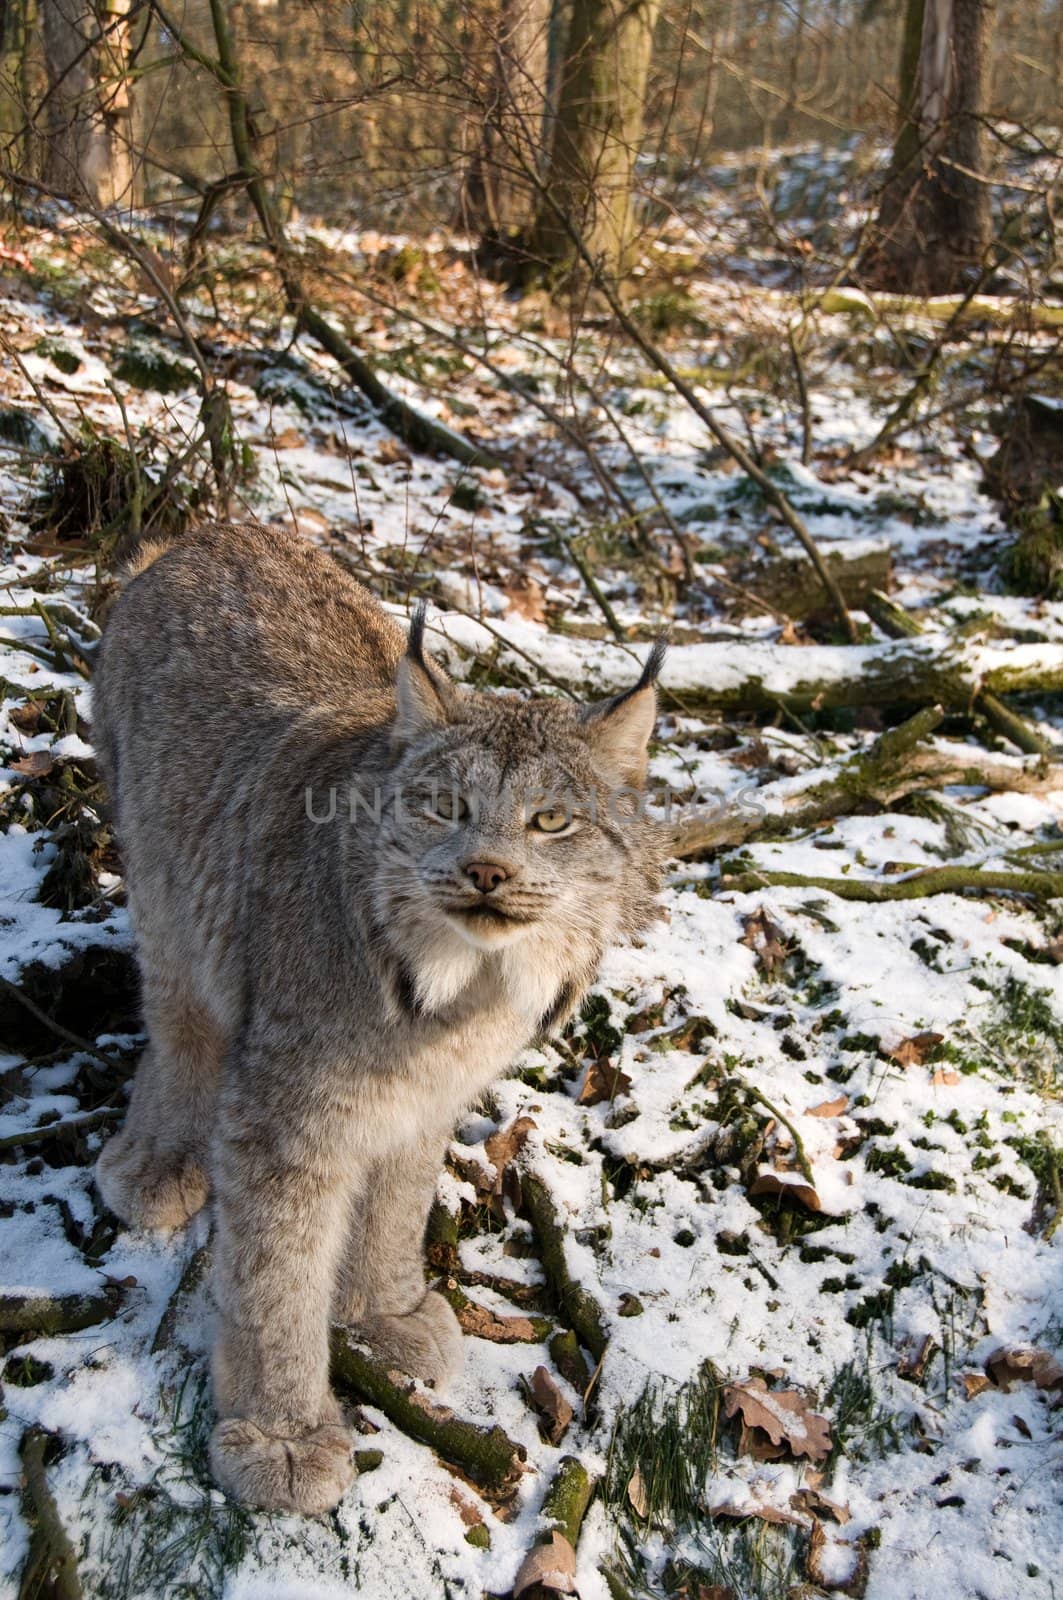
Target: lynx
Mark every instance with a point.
(327, 986)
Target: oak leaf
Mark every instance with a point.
(830, 1108)
(550, 1567)
(553, 1408)
(783, 1414)
(766, 939)
(914, 1051)
(480, 1322)
(505, 1144)
(603, 1082)
(1024, 1364)
(37, 764)
(789, 1184)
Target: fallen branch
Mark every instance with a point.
(900, 624)
(51, 1566)
(195, 1270)
(46, 1315)
(550, 1565)
(578, 1306)
(896, 765)
(934, 880)
(62, 1130)
(488, 1455)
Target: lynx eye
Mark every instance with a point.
(551, 821)
(448, 806)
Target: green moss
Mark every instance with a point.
(141, 366)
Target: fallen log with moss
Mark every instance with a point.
(899, 763)
(487, 1455)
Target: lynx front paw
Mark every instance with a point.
(147, 1187)
(426, 1343)
(308, 1474)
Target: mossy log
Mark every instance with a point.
(487, 1455)
(51, 1566)
(934, 880)
(554, 1552)
(896, 765)
(577, 1305)
(46, 1315)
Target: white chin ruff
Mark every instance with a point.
(527, 961)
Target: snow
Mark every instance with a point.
(961, 1493)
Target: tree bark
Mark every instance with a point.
(88, 112)
(587, 189)
(501, 184)
(934, 225)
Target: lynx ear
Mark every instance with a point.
(426, 697)
(618, 730)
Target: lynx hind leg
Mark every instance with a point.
(153, 1172)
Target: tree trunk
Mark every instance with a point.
(88, 114)
(587, 189)
(501, 185)
(934, 224)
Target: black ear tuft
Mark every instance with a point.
(415, 643)
(654, 662)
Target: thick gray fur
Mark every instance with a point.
(324, 998)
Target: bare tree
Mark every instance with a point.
(500, 190)
(87, 119)
(587, 187)
(934, 225)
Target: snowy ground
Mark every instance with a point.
(873, 1298)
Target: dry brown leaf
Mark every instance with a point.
(914, 1051)
(288, 439)
(974, 1383)
(27, 716)
(783, 1414)
(503, 1147)
(37, 764)
(766, 939)
(527, 598)
(470, 1514)
(1023, 1364)
(944, 1078)
(391, 454)
(603, 1082)
(482, 1323)
(765, 1513)
(830, 1108)
(810, 1500)
(550, 1566)
(781, 1183)
(551, 1404)
(916, 1358)
(636, 1493)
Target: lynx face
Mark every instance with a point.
(515, 832)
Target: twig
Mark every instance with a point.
(50, 1130)
(799, 1144)
(7, 987)
(595, 589)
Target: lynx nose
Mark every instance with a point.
(486, 875)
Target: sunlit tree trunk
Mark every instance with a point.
(587, 187)
(934, 225)
(87, 119)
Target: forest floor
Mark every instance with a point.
(802, 1150)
